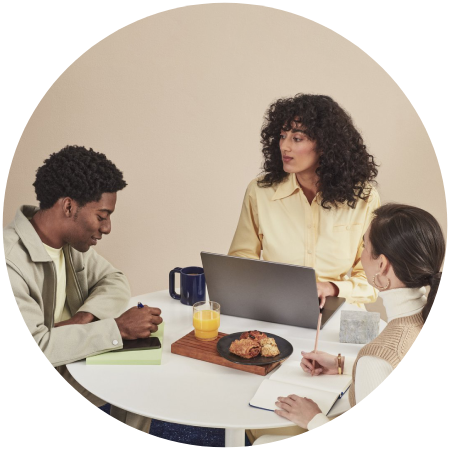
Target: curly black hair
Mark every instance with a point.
(346, 170)
(83, 175)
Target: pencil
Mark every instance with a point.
(319, 322)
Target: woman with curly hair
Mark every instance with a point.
(315, 197)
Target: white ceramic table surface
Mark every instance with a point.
(191, 392)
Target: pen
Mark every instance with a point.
(317, 339)
(140, 305)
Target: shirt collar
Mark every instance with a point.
(28, 235)
(286, 188)
(290, 185)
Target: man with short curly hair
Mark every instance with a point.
(71, 298)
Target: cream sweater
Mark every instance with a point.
(371, 371)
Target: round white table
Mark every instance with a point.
(192, 392)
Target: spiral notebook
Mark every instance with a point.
(290, 378)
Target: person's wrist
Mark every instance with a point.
(122, 334)
(340, 364)
(311, 419)
(334, 290)
(336, 366)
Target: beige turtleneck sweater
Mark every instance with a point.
(371, 371)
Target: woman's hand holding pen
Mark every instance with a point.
(325, 364)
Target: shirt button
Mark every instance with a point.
(348, 228)
(309, 225)
(115, 342)
(309, 251)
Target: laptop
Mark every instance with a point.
(265, 290)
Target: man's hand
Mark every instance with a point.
(139, 322)
(326, 289)
(80, 318)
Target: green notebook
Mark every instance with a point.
(131, 358)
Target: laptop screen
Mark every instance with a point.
(265, 290)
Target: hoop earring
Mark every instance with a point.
(381, 288)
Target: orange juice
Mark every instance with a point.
(206, 324)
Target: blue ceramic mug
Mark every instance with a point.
(192, 285)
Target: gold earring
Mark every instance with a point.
(381, 288)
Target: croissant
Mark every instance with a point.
(245, 348)
(254, 335)
(269, 347)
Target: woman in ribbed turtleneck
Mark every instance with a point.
(399, 303)
(403, 307)
(404, 252)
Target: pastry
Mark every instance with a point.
(245, 348)
(254, 335)
(269, 347)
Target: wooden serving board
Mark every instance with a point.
(206, 351)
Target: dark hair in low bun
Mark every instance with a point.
(434, 284)
(412, 241)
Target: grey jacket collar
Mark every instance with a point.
(28, 235)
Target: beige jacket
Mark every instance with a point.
(93, 285)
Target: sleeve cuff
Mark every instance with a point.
(317, 421)
(345, 289)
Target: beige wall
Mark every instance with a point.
(176, 101)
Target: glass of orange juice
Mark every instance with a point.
(206, 320)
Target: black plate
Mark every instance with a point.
(223, 346)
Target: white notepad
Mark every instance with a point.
(290, 379)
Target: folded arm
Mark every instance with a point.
(108, 288)
(356, 288)
(64, 344)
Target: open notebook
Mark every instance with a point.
(290, 379)
(132, 357)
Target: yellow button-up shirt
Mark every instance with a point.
(279, 222)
